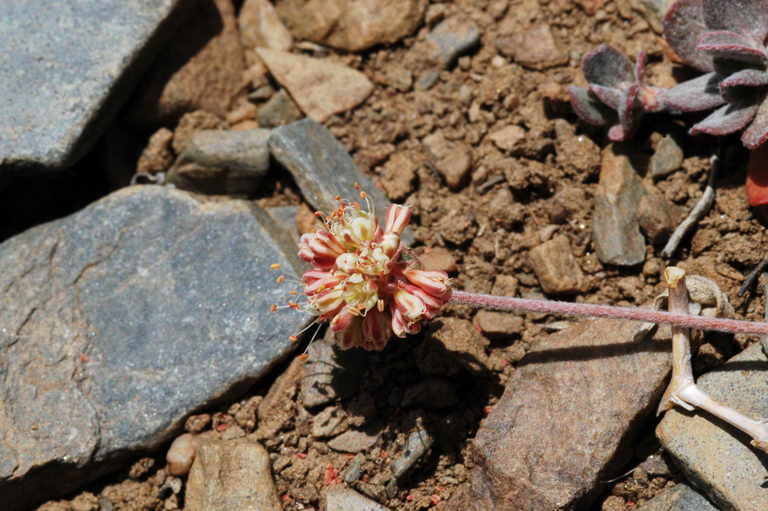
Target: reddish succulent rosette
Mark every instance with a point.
(361, 285)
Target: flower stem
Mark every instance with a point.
(508, 303)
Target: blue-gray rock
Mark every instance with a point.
(222, 162)
(717, 458)
(322, 168)
(416, 446)
(122, 319)
(65, 70)
(667, 158)
(452, 38)
(285, 216)
(679, 498)
(279, 110)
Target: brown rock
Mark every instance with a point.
(657, 217)
(190, 124)
(353, 441)
(534, 48)
(260, 27)
(615, 230)
(398, 176)
(451, 159)
(460, 338)
(181, 81)
(505, 285)
(556, 268)
(277, 408)
(498, 324)
(157, 156)
(352, 25)
(438, 259)
(575, 401)
(320, 87)
(507, 138)
(306, 221)
(181, 454)
(235, 474)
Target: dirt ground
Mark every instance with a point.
(508, 202)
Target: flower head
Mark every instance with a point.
(359, 281)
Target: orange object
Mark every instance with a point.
(757, 177)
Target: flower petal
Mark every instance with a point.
(607, 66)
(377, 329)
(588, 108)
(683, 26)
(726, 119)
(701, 93)
(731, 46)
(757, 132)
(741, 16)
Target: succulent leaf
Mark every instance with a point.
(744, 83)
(608, 95)
(726, 119)
(607, 66)
(757, 133)
(589, 109)
(700, 93)
(683, 27)
(628, 116)
(732, 46)
(748, 17)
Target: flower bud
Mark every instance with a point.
(433, 282)
(410, 306)
(397, 219)
(401, 326)
(320, 248)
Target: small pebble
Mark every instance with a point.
(181, 454)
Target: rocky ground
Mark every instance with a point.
(143, 318)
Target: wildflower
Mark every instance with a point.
(359, 282)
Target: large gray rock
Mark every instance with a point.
(716, 457)
(322, 167)
(120, 320)
(679, 498)
(566, 418)
(65, 69)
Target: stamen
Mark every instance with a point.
(280, 279)
(273, 307)
(275, 266)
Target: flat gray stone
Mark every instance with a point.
(338, 498)
(122, 319)
(222, 162)
(452, 38)
(716, 457)
(331, 374)
(323, 168)
(667, 158)
(416, 446)
(679, 498)
(65, 70)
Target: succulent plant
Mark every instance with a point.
(615, 94)
(726, 40)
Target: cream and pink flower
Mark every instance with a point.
(359, 281)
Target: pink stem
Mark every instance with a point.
(509, 303)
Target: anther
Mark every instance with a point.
(275, 266)
(280, 279)
(293, 305)
(293, 338)
(273, 308)
(380, 305)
